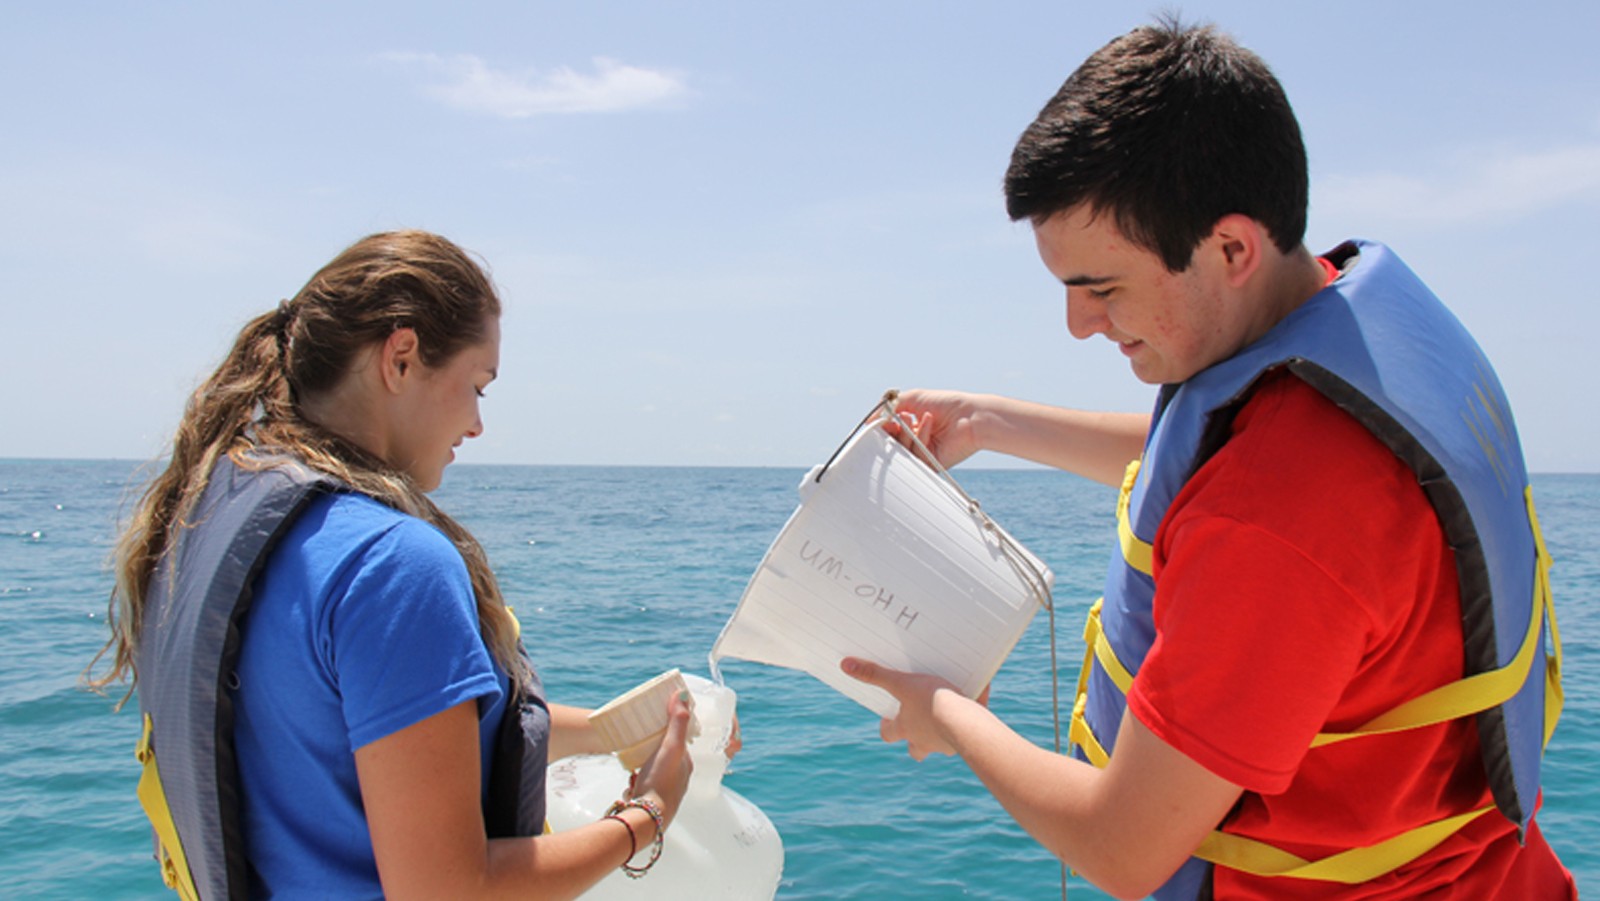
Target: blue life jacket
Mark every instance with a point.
(1383, 348)
(189, 640)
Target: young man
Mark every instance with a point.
(1327, 528)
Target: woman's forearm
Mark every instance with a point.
(570, 732)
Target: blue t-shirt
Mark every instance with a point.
(363, 623)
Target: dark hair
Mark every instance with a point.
(400, 279)
(1168, 129)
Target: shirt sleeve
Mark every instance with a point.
(403, 637)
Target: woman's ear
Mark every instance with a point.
(399, 357)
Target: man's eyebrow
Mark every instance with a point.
(1079, 280)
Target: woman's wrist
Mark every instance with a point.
(643, 823)
(646, 827)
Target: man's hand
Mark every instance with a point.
(923, 699)
(942, 421)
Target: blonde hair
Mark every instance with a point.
(387, 281)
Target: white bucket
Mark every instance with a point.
(886, 560)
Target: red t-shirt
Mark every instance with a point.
(1303, 585)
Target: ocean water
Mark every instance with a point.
(618, 574)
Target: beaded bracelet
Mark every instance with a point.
(651, 808)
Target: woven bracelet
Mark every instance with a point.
(651, 808)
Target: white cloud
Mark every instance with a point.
(1473, 191)
(471, 84)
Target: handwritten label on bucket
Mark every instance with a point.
(887, 560)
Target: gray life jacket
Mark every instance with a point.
(189, 642)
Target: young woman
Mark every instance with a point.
(336, 702)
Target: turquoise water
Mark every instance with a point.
(617, 574)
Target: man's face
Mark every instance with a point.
(1169, 325)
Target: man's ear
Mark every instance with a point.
(399, 357)
(1239, 243)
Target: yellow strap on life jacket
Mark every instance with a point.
(1135, 551)
(1554, 697)
(1078, 732)
(1464, 697)
(1081, 736)
(169, 850)
(1108, 658)
(1350, 867)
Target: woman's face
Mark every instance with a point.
(439, 409)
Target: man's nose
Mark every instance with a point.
(1085, 315)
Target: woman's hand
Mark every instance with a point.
(665, 776)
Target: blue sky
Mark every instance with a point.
(721, 229)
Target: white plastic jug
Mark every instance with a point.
(720, 846)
